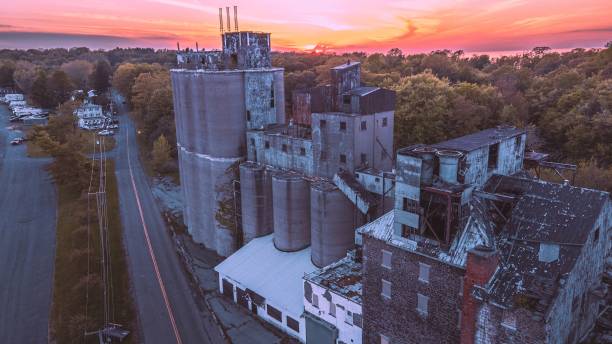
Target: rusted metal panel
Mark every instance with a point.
(301, 107)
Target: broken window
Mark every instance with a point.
(252, 142)
(274, 313)
(284, 147)
(493, 155)
(343, 126)
(322, 123)
(596, 235)
(293, 324)
(267, 144)
(348, 317)
(342, 159)
(272, 97)
(248, 115)
(364, 125)
(332, 309)
(357, 320)
(410, 205)
(424, 273)
(302, 151)
(386, 289)
(364, 158)
(315, 300)
(346, 99)
(422, 302)
(386, 259)
(384, 121)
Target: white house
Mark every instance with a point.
(268, 282)
(332, 303)
(90, 116)
(13, 97)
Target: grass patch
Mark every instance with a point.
(68, 315)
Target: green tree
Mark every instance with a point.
(60, 87)
(100, 78)
(161, 154)
(7, 69)
(40, 93)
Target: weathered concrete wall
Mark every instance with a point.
(260, 100)
(397, 317)
(330, 142)
(300, 106)
(246, 49)
(267, 148)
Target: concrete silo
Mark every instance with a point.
(213, 105)
(332, 220)
(291, 202)
(256, 194)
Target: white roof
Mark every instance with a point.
(271, 273)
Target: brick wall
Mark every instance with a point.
(397, 318)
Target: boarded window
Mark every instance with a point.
(364, 125)
(386, 259)
(293, 324)
(343, 126)
(274, 313)
(315, 300)
(424, 273)
(384, 121)
(342, 158)
(332, 309)
(357, 320)
(386, 289)
(422, 302)
(302, 151)
(461, 286)
(493, 154)
(348, 317)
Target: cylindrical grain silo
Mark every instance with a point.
(255, 195)
(332, 220)
(291, 202)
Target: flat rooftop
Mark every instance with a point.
(273, 274)
(480, 139)
(342, 277)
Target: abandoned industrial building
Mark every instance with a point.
(335, 237)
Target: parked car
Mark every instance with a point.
(106, 133)
(17, 141)
(112, 126)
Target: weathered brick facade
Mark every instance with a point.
(397, 318)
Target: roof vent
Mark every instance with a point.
(548, 252)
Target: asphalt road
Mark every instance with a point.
(168, 310)
(28, 207)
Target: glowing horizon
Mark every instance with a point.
(344, 25)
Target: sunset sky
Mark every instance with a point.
(344, 25)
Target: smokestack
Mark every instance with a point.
(236, 18)
(221, 20)
(197, 47)
(178, 47)
(229, 20)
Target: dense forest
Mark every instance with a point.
(563, 99)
